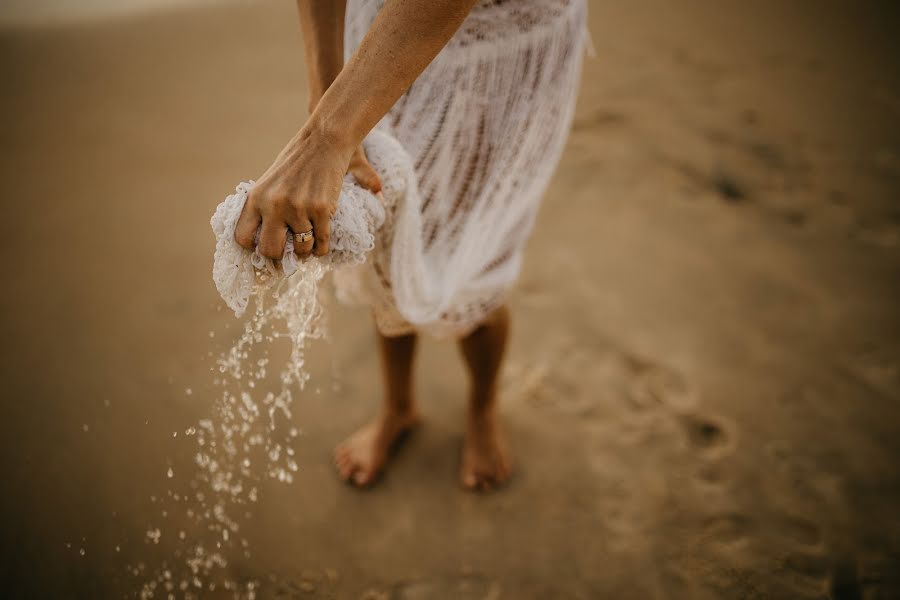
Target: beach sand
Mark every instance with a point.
(703, 385)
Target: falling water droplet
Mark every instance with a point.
(242, 441)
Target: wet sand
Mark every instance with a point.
(704, 375)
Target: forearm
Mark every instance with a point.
(403, 40)
(299, 191)
(322, 23)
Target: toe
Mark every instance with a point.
(362, 478)
(345, 468)
(505, 470)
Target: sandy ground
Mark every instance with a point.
(703, 384)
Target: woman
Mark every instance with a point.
(480, 93)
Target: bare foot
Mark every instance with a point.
(361, 457)
(485, 460)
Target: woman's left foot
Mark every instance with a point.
(485, 460)
(361, 457)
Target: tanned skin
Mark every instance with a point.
(299, 191)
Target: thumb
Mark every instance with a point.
(363, 172)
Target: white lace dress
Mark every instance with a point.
(484, 126)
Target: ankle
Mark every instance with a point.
(482, 402)
(404, 412)
(481, 415)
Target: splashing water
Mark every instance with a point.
(247, 438)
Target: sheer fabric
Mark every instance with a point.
(358, 219)
(483, 127)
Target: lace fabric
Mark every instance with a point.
(464, 158)
(238, 272)
(484, 126)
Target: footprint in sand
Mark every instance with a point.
(305, 585)
(804, 568)
(728, 530)
(710, 474)
(800, 530)
(654, 386)
(599, 382)
(472, 586)
(803, 575)
(572, 380)
(809, 480)
(708, 435)
(728, 187)
(808, 565)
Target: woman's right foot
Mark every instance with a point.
(360, 458)
(485, 459)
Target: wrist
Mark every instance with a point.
(329, 135)
(332, 130)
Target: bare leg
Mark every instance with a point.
(361, 457)
(485, 461)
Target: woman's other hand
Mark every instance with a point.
(363, 172)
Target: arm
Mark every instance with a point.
(322, 24)
(403, 40)
(300, 190)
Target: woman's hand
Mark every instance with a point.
(300, 192)
(363, 172)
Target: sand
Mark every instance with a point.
(703, 381)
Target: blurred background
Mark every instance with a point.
(703, 381)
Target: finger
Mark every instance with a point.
(272, 237)
(247, 225)
(322, 231)
(345, 470)
(298, 226)
(340, 462)
(364, 173)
